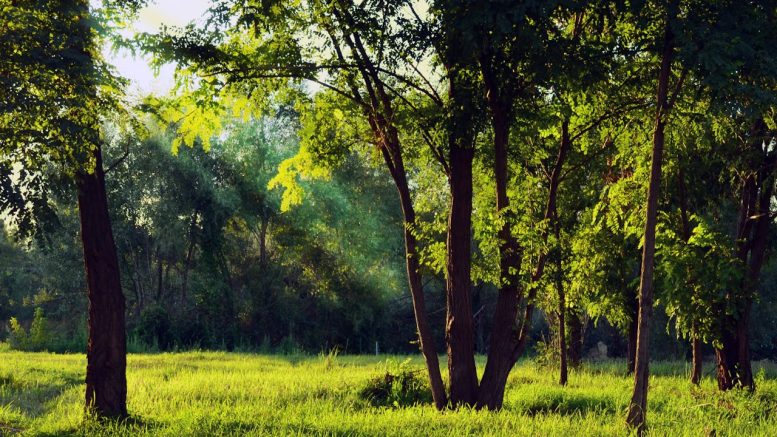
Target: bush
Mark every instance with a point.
(399, 386)
(38, 339)
(18, 336)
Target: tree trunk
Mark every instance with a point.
(458, 329)
(380, 116)
(638, 405)
(504, 332)
(696, 359)
(734, 367)
(425, 338)
(559, 279)
(106, 383)
(575, 339)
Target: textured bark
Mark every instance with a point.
(575, 339)
(697, 362)
(638, 405)
(459, 332)
(425, 338)
(106, 384)
(504, 333)
(562, 310)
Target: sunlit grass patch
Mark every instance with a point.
(218, 393)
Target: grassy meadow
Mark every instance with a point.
(217, 393)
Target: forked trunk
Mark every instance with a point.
(106, 383)
(733, 359)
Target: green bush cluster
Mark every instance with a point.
(399, 386)
(38, 338)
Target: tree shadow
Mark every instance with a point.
(566, 404)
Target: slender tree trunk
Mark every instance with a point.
(459, 324)
(696, 344)
(575, 339)
(106, 383)
(638, 406)
(697, 363)
(425, 337)
(562, 304)
(504, 332)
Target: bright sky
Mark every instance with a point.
(150, 18)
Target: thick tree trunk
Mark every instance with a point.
(575, 339)
(638, 406)
(459, 332)
(106, 383)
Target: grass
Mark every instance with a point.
(216, 393)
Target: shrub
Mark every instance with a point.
(399, 386)
(18, 336)
(39, 337)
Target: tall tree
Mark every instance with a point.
(56, 92)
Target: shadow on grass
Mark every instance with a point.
(31, 396)
(91, 426)
(566, 404)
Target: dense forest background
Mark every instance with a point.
(209, 260)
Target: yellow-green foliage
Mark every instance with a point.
(216, 393)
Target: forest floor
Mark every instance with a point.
(217, 393)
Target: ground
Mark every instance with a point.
(217, 393)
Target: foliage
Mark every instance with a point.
(400, 386)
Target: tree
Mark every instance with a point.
(56, 91)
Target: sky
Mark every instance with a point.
(150, 19)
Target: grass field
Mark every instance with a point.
(213, 393)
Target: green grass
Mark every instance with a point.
(214, 393)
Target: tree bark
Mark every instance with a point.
(696, 360)
(459, 331)
(559, 279)
(425, 337)
(575, 339)
(106, 383)
(504, 332)
(638, 406)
